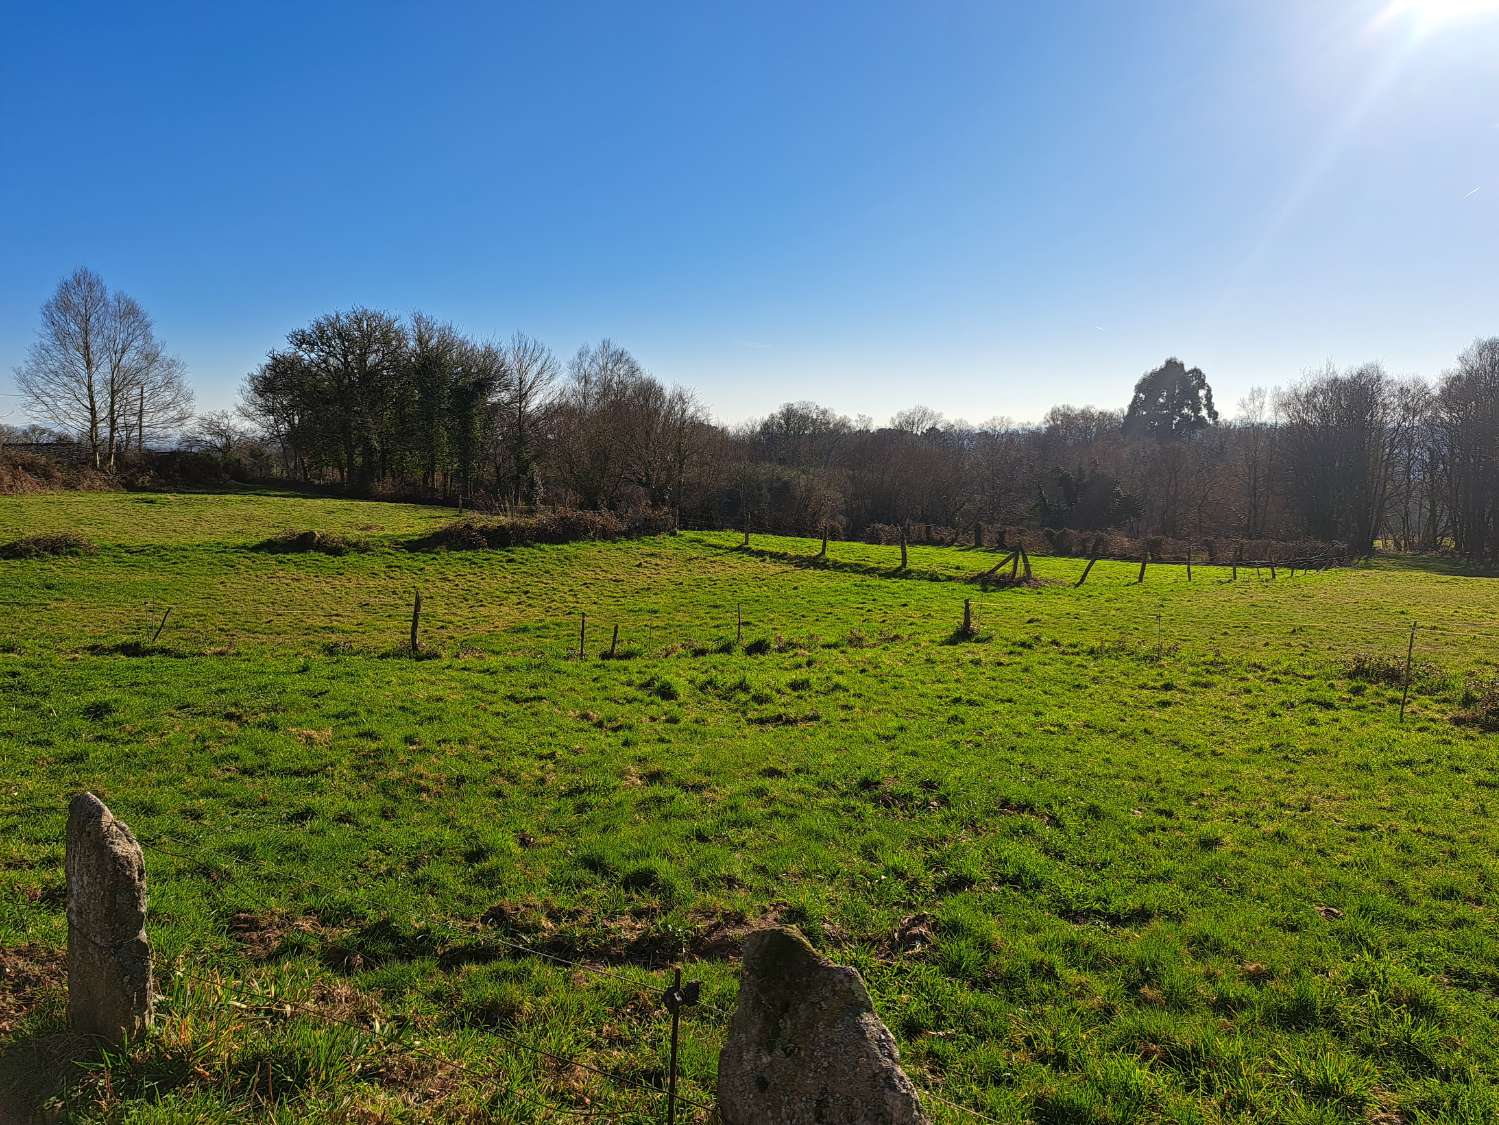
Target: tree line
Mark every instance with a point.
(382, 405)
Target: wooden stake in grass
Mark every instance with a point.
(582, 632)
(614, 643)
(1405, 692)
(162, 626)
(739, 624)
(746, 529)
(903, 546)
(978, 534)
(995, 569)
(416, 623)
(967, 617)
(1092, 558)
(822, 554)
(1026, 560)
(1144, 558)
(1189, 564)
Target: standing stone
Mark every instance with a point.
(805, 1046)
(109, 960)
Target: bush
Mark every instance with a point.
(22, 471)
(561, 526)
(309, 542)
(44, 546)
(1377, 668)
(1480, 704)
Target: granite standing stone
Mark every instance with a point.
(805, 1046)
(109, 959)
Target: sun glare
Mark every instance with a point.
(1432, 15)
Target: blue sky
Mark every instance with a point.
(986, 208)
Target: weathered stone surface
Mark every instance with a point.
(805, 1046)
(109, 959)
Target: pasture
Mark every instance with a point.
(1155, 852)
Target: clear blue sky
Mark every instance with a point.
(984, 207)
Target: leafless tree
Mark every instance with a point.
(98, 370)
(521, 414)
(218, 431)
(62, 379)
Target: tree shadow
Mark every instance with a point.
(36, 1073)
(845, 566)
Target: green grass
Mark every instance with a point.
(1134, 853)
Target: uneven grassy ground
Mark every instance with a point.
(1135, 853)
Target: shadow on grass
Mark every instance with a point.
(36, 1072)
(1445, 565)
(843, 566)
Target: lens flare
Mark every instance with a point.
(1432, 15)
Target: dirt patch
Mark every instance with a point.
(27, 974)
(630, 939)
(262, 936)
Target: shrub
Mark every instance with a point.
(22, 471)
(562, 526)
(44, 546)
(1480, 704)
(305, 542)
(1377, 668)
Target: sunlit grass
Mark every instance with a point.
(1153, 852)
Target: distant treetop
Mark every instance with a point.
(1170, 402)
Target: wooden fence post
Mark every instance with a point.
(903, 546)
(739, 626)
(967, 617)
(1144, 558)
(978, 534)
(1405, 692)
(1189, 564)
(1092, 558)
(416, 622)
(582, 632)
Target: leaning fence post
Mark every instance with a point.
(110, 991)
(1144, 558)
(1405, 692)
(1092, 558)
(416, 621)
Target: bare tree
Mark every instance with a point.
(521, 413)
(98, 370)
(62, 378)
(218, 432)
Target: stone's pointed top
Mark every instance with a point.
(86, 804)
(806, 1047)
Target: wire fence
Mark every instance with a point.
(614, 631)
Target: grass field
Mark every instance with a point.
(1135, 853)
